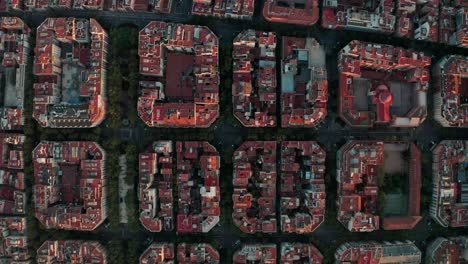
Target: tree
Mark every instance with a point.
(114, 110)
(133, 253)
(116, 252)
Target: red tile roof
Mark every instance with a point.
(254, 196)
(303, 101)
(198, 189)
(376, 66)
(290, 12)
(12, 181)
(197, 176)
(158, 253)
(302, 203)
(69, 190)
(448, 206)
(14, 54)
(376, 16)
(460, 36)
(7, 5)
(451, 91)
(375, 253)
(254, 78)
(426, 20)
(155, 187)
(447, 25)
(358, 164)
(239, 9)
(14, 51)
(292, 253)
(159, 6)
(447, 250)
(11, 149)
(197, 253)
(445, 22)
(14, 242)
(71, 251)
(83, 37)
(43, 5)
(180, 65)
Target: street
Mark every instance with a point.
(227, 134)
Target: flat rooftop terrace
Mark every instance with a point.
(394, 158)
(403, 95)
(361, 87)
(12, 97)
(70, 186)
(179, 76)
(301, 4)
(71, 82)
(464, 90)
(301, 12)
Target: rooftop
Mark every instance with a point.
(181, 76)
(460, 35)
(197, 176)
(198, 192)
(447, 250)
(159, 6)
(382, 85)
(156, 188)
(254, 196)
(300, 12)
(43, 5)
(12, 180)
(302, 204)
(451, 91)
(89, 4)
(292, 253)
(13, 240)
(14, 54)
(363, 169)
(418, 20)
(11, 5)
(71, 251)
(158, 253)
(70, 62)
(197, 253)
(373, 16)
(255, 253)
(238, 9)
(69, 185)
(304, 85)
(254, 78)
(374, 252)
(443, 21)
(450, 189)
